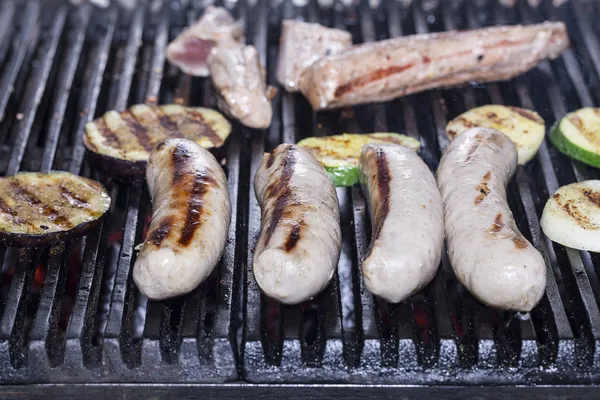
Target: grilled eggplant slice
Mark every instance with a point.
(121, 142)
(339, 154)
(38, 209)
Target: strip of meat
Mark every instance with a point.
(303, 43)
(489, 255)
(240, 81)
(407, 218)
(190, 50)
(300, 240)
(396, 67)
(190, 219)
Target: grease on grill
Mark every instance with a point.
(38, 208)
(129, 136)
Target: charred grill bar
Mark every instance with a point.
(71, 313)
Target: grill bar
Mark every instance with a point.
(64, 85)
(19, 48)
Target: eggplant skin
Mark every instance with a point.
(47, 239)
(133, 170)
(120, 143)
(40, 209)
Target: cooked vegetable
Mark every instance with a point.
(578, 135)
(524, 127)
(339, 154)
(122, 142)
(572, 216)
(38, 209)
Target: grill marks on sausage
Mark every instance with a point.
(280, 190)
(180, 159)
(192, 219)
(483, 188)
(383, 187)
(471, 151)
(271, 159)
(520, 242)
(189, 188)
(294, 236)
(162, 231)
(194, 211)
(498, 224)
(370, 77)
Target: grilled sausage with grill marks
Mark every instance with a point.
(489, 255)
(408, 221)
(400, 66)
(300, 240)
(190, 220)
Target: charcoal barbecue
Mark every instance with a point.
(73, 324)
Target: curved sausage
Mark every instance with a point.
(408, 221)
(489, 255)
(300, 240)
(190, 219)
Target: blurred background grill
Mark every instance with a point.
(71, 313)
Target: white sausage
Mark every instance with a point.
(191, 214)
(408, 221)
(300, 240)
(489, 255)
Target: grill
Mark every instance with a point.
(72, 314)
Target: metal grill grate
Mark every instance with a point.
(72, 313)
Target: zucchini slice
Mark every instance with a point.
(571, 216)
(121, 142)
(578, 136)
(340, 154)
(524, 127)
(37, 209)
